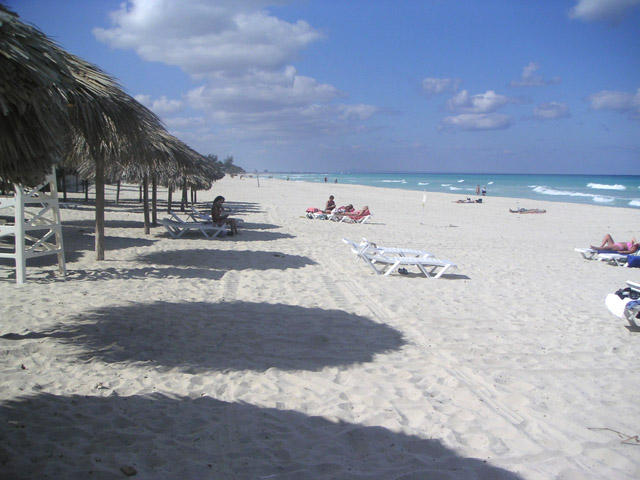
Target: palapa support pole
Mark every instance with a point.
(145, 200)
(99, 209)
(154, 201)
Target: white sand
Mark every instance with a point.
(274, 354)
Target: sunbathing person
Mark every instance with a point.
(621, 247)
(357, 215)
(528, 210)
(345, 209)
(220, 218)
(328, 208)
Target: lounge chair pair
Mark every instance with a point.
(177, 226)
(607, 256)
(385, 260)
(342, 217)
(625, 303)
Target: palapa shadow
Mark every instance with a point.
(180, 437)
(226, 259)
(199, 337)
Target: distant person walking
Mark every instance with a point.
(484, 190)
(478, 190)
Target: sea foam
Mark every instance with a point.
(600, 186)
(550, 191)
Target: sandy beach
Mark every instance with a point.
(275, 354)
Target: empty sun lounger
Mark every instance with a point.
(177, 227)
(385, 263)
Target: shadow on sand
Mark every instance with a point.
(231, 336)
(226, 259)
(46, 436)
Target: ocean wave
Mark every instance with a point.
(445, 184)
(600, 186)
(550, 191)
(460, 181)
(635, 203)
(490, 183)
(454, 188)
(423, 183)
(394, 181)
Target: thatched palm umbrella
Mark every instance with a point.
(46, 92)
(33, 113)
(164, 159)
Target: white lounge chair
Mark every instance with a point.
(177, 227)
(625, 303)
(399, 252)
(197, 216)
(343, 217)
(607, 256)
(386, 263)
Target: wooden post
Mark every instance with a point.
(99, 209)
(169, 199)
(185, 198)
(145, 200)
(154, 201)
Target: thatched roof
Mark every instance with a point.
(33, 113)
(165, 157)
(51, 99)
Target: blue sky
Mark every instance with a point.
(477, 86)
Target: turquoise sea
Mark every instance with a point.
(606, 190)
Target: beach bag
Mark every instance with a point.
(633, 261)
(628, 292)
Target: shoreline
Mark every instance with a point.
(274, 353)
(599, 194)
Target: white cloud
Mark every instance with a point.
(477, 121)
(261, 92)
(622, 102)
(604, 10)
(357, 112)
(185, 122)
(435, 86)
(486, 102)
(207, 38)
(551, 110)
(530, 79)
(160, 106)
(243, 55)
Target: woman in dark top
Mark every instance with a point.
(219, 217)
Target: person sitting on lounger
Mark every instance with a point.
(220, 218)
(330, 205)
(620, 247)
